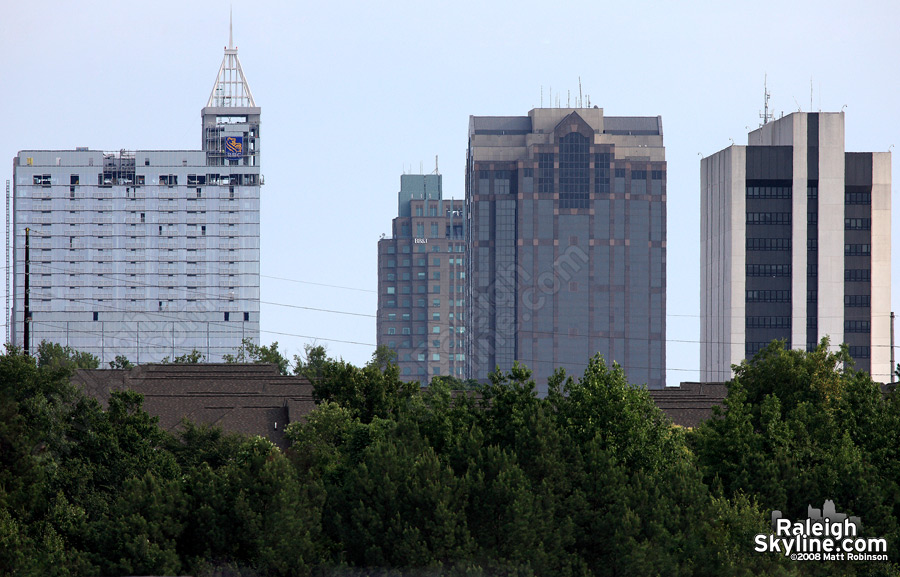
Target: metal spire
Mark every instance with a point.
(231, 88)
(230, 27)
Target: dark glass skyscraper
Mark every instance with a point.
(567, 229)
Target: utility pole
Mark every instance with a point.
(27, 317)
(893, 367)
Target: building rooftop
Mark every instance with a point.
(250, 399)
(689, 403)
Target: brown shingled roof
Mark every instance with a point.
(251, 399)
(689, 403)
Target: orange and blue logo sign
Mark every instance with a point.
(234, 146)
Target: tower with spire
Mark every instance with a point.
(231, 117)
(161, 251)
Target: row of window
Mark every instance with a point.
(432, 211)
(766, 244)
(857, 223)
(109, 179)
(405, 303)
(857, 275)
(753, 347)
(860, 352)
(453, 343)
(419, 289)
(768, 218)
(435, 275)
(419, 262)
(435, 330)
(435, 357)
(858, 198)
(857, 250)
(406, 289)
(768, 192)
(421, 316)
(406, 249)
(768, 322)
(435, 371)
(857, 300)
(773, 270)
(768, 296)
(857, 326)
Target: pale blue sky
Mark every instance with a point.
(354, 92)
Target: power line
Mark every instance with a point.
(318, 284)
(331, 311)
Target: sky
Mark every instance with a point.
(354, 94)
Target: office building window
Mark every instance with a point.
(857, 250)
(858, 198)
(574, 171)
(857, 275)
(545, 172)
(857, 300)
(857, 223)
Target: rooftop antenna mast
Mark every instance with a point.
(8, 317)
(580, 102)
(766, 117)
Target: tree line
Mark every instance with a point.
(387, 478)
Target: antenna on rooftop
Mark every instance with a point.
(766, 117)
(436, 171)
(579, 93)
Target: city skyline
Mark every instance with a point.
(77, 84)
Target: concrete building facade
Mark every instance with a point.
(145, 253)
(421, 282)
(567, 239)
(795, 245)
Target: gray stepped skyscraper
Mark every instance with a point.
(567, 238)
(146, 253)
(421, 282)
(795, 245)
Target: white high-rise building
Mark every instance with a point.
(146, 253)
(795, 245)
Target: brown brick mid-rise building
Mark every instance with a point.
(421, 282)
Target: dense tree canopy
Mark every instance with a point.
(384, 477)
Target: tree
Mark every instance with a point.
(121, 362)
(368, 392)
(312, 364)
(192, 358)
(55, 356)
(801, 427)
(250, 352)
